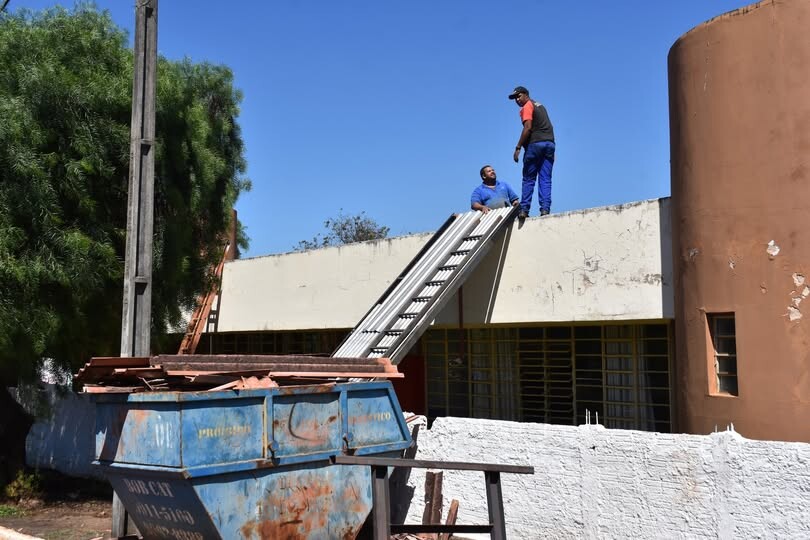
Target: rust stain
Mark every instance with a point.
(138, 416)
(351, 499)
(302, 510)
(310, 431)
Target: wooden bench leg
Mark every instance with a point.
(495, 505)
(381, 505)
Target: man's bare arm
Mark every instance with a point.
(480, 207)
(524, 136)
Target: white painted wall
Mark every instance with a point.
(609, 263)
(321, 288)
(591, 482)
(600, 264)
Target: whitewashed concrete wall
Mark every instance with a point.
(600, 264)
(609, 263)
(591, 482)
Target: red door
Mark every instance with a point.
(410, 390)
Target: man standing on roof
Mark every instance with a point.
(537, 139)
(491, 193)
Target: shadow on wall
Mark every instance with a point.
(65, 440)
(667, 277)
(489, 271)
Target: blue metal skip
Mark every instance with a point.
(247, 464)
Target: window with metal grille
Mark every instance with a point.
(296, 342)
(552, 374)
(724, 341)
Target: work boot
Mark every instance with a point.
(544, 212)
(522, 215)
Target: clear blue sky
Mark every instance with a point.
(392, 107)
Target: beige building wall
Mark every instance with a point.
(609, 263)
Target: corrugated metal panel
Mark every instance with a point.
(403, 312)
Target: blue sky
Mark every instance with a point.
(392, 107)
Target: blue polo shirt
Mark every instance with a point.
(497, 196)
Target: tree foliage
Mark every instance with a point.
(345, 229)
(65, 101)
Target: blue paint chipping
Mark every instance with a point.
(247, 464)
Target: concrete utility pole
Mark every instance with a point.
(137, 312)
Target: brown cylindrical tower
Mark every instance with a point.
(739, 89)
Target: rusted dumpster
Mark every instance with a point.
(250, 463)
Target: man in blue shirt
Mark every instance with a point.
(491, 193)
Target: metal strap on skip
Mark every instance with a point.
(406, 309)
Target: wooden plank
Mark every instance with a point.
(336, 374)
(209, 378)
(139, 372)
(432, 514)
(111, 389)
(118, 361)
(427, 511)
(226, 386)
(266, 358)
(428, 464)
(288, 374)
(437, 500)
(266, 366)
(452, 515)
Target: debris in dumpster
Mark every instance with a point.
(223, 372)
(247, 382)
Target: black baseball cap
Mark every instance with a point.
(518, 90)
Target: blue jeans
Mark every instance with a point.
(538, 160)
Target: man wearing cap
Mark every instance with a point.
(537, 140)
(492, 193)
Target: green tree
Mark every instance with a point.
(345, 229)
(65, 99)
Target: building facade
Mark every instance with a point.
(567, 315)
(689, 319)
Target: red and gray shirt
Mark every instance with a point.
(541, 128)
